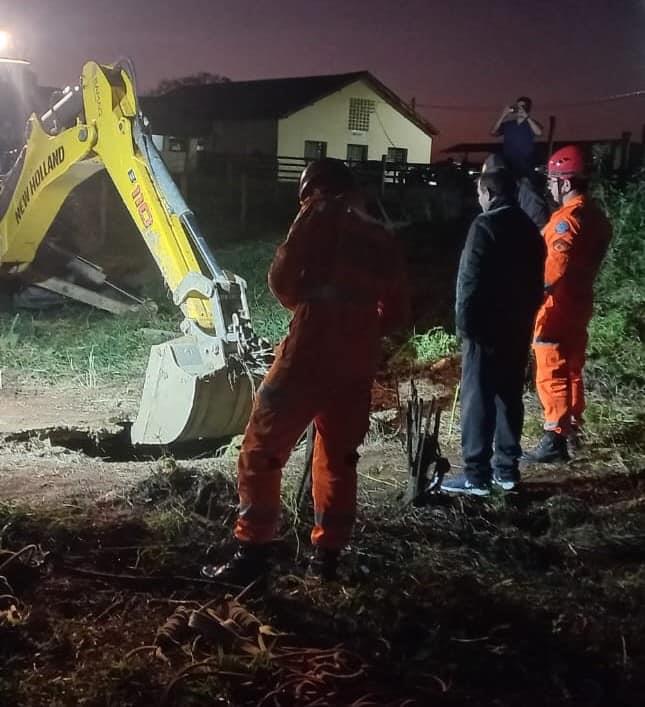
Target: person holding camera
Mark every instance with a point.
(519, 130)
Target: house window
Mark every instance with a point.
(397, 155)
(357, 153)
(315, 149)
(359, 114)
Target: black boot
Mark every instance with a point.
(250, 562)
(323, 563)
(551, 448)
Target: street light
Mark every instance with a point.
(5, 40)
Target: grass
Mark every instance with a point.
(251, 261)
(558, 581)
(431, 346)
(616, 347)
(86, 347)
(78, 345)
(615, 369)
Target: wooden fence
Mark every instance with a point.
(288, 169)
(250, 188)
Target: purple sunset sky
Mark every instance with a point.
(457, 53)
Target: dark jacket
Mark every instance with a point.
(501, 276)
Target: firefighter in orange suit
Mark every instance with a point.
(340, 273)
(576, 237)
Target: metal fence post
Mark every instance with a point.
(550, 137)
(625, 143)
(243, 200)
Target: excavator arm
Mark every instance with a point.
(201, 384)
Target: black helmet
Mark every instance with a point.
(328, 175)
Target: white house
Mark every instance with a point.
(348, 116)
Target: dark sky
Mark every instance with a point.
(444, 52)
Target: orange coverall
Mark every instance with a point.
(341, 274)
(576, 237)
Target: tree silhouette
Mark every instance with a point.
(203, 78)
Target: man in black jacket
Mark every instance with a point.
(499, 289)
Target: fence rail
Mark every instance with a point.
(288, 169)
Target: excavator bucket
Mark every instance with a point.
(192, 391)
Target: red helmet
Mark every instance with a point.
(328, 175)
(567, 162)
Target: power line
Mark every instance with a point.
(564, 104)
(378, 117)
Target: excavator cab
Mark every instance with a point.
(19, 98)
(201, 384)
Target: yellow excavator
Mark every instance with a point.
(199, 385)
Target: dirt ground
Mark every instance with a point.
(529, 598)
(57, 440)
(31, 408)
(34, 469)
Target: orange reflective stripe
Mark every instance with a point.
(259, 514)
(552, 385)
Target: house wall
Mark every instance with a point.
(244, 137)
(327, 121)
(227, 138)
(177, 161)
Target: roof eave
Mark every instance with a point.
(351, 78)
(425, 125)
(383, 91)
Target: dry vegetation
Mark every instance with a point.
(530, 598)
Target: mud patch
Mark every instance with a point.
(114, 445)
